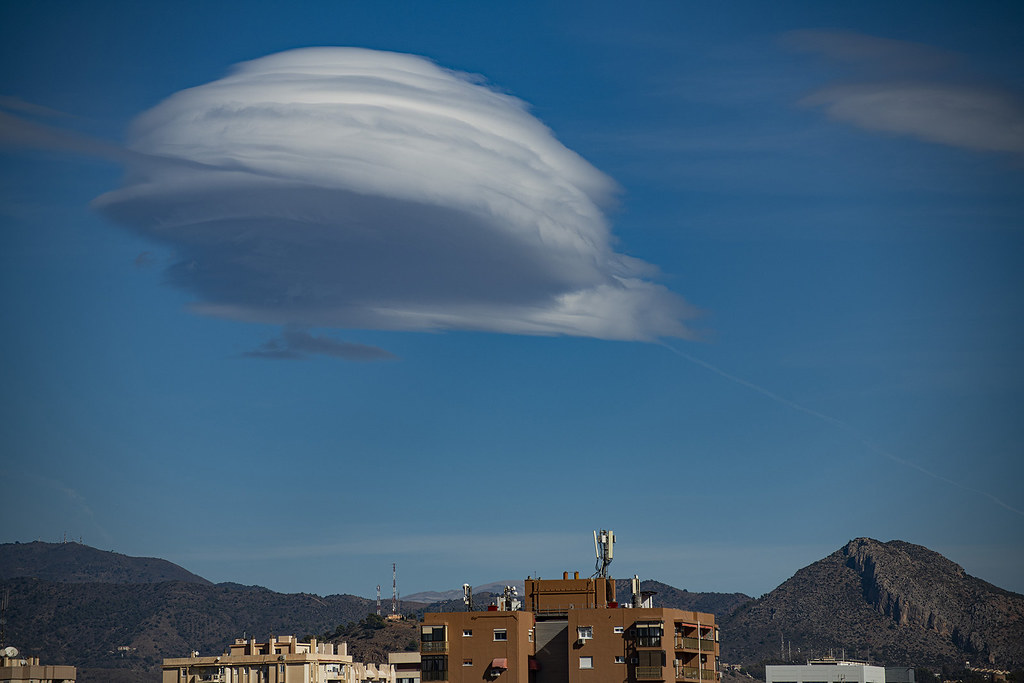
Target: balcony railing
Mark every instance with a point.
(434, 646)
(648, 641)
(698, 644)
(649, 673)
(693, 673)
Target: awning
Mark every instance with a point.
(499, 663)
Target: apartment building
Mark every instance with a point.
(14, 669)
(279, 660)
(571, 630)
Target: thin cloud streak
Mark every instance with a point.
(911, 89)
(295, 344)
(867, 443)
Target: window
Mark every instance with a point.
(648, 634)
(432, 634)
(620, 659)
(585, 632)
(586, 662)
(467, 632)
(434, 668)
(467, 662)
(617, 629)
(500, 634)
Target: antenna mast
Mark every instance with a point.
(3, 617)
(378, 599)
(603, 542)
(394, 589)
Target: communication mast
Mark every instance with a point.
(603, 542)
(394, 589)
(467, 596)
(378, 599)
(3, 618)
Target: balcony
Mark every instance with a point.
(648, 641)
(435, 647)
(697, 644)
(693, 673)
(649, 673)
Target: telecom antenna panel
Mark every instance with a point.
(604, 540)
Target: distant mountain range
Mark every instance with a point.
(117, 617)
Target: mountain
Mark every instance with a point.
(889, 603)
(76, 563)
(117, 617)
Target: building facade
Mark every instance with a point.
(279, 660)
(17, 669)
(826, 670)
(570, 630)
(406, 666)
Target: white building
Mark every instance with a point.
(826, 670)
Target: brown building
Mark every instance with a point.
(571, 630)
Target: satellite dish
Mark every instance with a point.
(10, 652)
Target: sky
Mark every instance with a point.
(293, 293)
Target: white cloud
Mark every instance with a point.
(916, 90)
(351, 188)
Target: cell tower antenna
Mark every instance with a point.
(394, 589)
(604, 540)
(378, 599)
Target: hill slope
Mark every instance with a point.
(85, 623)
(890, 603)
(76, 563)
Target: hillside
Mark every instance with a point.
(85, 623)
(889, 603)
(76, 563)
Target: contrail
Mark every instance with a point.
(866, 442)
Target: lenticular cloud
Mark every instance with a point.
(351, 188)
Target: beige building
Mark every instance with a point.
(406, 666)
(571, 631)
(280, 660)
(14, 668)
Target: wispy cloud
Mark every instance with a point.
(835, 422)
(296, 344)
(912, 89)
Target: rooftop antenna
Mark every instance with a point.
(467, 596)
(378, 599)
(3, 618)
(603, 542)
(394, 589)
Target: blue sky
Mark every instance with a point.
(740, 282)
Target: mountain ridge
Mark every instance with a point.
(889, 602)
